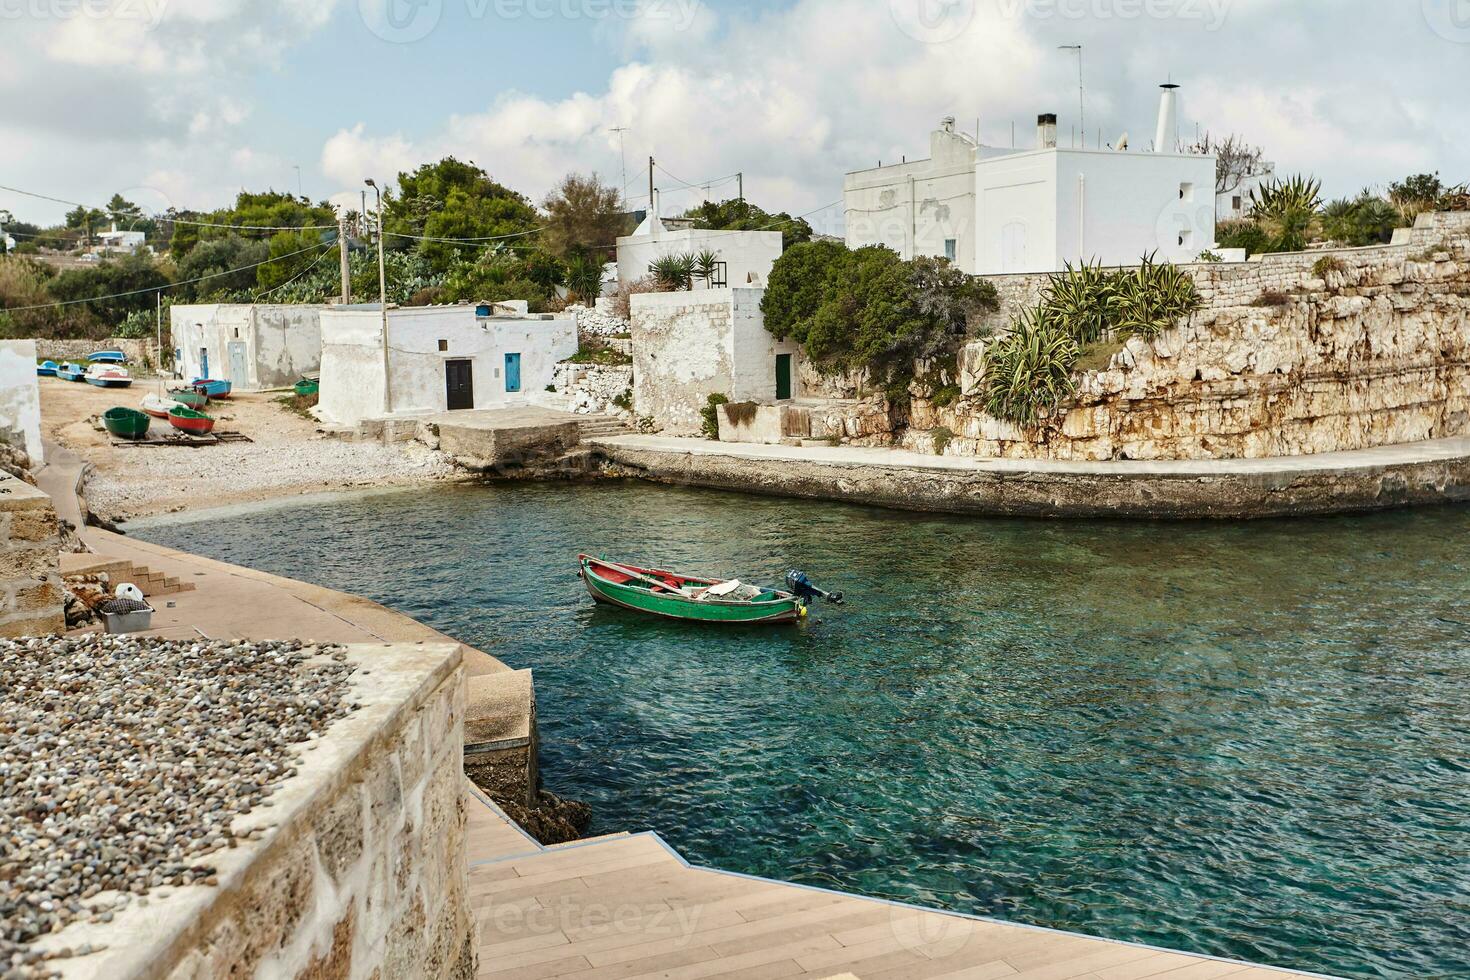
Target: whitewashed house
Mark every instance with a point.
(1236, 202)
(253, 346)
(746, 257)
(116, 242)
(992, 210)
(439, 358)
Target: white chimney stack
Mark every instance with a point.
(1166, 139)
(947, 124)
(1046, 131)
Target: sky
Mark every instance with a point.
(183, 103)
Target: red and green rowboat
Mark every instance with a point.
(689, 597)
(190, 421)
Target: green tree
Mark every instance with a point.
(216, 256)
(453, 200)
(291, 254)
(796, 286)
(738, 215)
(583, 217)
(135, 275)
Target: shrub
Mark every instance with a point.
(1286, 210)
(622, 299)
(1272, 297)
(625, 400)
(1326, 264)
(941, 437)
(674, 272)
(1242, 233)
(139, 323)
(584, 278)
(1029, 370)
(1209, 255)
(710, 415)
(1149, 299)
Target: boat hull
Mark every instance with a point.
(109, 382)
(783, 609)
(194, 423)
(125, 423)
(108, 357)
(189, 398)
(213, 388)
(71, 375)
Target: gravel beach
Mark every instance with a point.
(286, 457)
(124, 762)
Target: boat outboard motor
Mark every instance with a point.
(802, 586)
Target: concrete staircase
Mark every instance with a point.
(592, 426)
(120, 570)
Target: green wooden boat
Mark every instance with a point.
(189, 397)
(688, 597)
(307, 387)
(126, 423)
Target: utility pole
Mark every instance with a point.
(1081, 102)
(623, 162)
(159, 328)
(651, 201)
(740, 185)
(342, 246)
(383, 301)
(299, 191)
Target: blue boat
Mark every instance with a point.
(108, 357)
(70, 372)
(46, 369)
(213, 387)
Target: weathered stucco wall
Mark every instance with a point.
(20, 398)
(279, 342)
(360, 870)
(1286, 358)
(30, 578)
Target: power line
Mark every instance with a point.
(164, 217)
(327, 249)
(487, 238)
(166, 286)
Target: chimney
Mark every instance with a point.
(947, 124)
(1046, 131)
(1166, 139)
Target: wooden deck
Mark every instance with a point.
(629, 907)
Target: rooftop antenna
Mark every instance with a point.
(1081, 102)
(623, 160)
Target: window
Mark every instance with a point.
(443, 345)
(950, 248)
(1236, 203)
(1186, 192)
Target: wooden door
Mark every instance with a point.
(459, 384)
(783, 377)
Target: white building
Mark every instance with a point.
(993, 210)
(254, 347)
(746, 257)
(120, 242)
(440, 358)
(20, 398)
(1236, 202)
(688, 346)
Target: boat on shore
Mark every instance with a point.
(71, 372)
(107, 357)
(307, 387)
(190, 421)
(126, 423)
(213, 387)
(46, 369)
(689, 597)
(157, 406)
(108, 376)
(189, 397)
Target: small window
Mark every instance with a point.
(1186, 192)
(950, 248)
(443, 345)
(1236, 203)
(237, 333)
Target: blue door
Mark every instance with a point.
(512, 372)
(204, 362)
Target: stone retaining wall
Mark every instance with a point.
(30, 576)
(361, 868)
(140, 351)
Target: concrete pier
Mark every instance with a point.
(1431, 472)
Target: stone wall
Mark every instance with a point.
(1290, 356)
(360, 867)
(683, 352)
(141, 351)
(591, 389)
(30, 575)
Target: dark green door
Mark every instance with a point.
(783, 376)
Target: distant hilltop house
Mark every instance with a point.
(439, 358)
(116, 242)
(9, 243)
(1235, 202)
(994, 210)
(745, 257)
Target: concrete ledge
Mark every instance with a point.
(1363, 480)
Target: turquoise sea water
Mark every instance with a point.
(1248, 740)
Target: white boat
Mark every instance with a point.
(108, 376)
(157, 406)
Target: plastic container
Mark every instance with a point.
(129, 622)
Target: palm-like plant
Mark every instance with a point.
(674, 271)
(1151, 298)
(1287, 211)
(707, 266)
(1028, 371)
(584, 278)
(1078, 298)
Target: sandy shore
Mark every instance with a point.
(286, 457)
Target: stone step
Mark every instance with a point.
(120, 570)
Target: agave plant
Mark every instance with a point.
(584, 278)
(1287, 211)
(674, 271)
(1151, 298)
(707, 266)
(1028, 371)
(1078, 299)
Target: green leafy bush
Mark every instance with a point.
(675, 271)
(710, 415)
(1029, 370)
(1326, 264)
